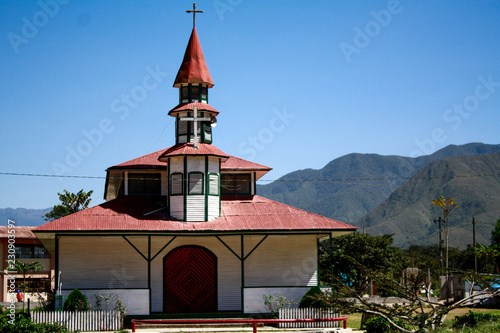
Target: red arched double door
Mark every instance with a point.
(190, 280)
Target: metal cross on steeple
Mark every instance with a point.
(194, 11)
(195, 119)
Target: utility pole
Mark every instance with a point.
(474, 243)
(439, 220)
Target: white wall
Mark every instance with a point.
(136, 300)
(96, 262)
(286, 260)
(254, 297)
(285, 264)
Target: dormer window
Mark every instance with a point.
(236, 184)
(193, 93)
(144, 183)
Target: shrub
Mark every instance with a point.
(274, 303)
(76, 301)
(23, 324)
(379, 325)
(471, 319)
(310, 299)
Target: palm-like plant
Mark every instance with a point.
(448, 205)
(25, 269)
(488, 254)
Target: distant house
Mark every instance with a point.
(27, 249)
(183, 229)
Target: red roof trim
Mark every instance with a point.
(150, 161)
(190, 107)
(188, 149)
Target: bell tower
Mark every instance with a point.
(194, 164)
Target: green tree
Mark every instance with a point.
(418, 314)
(353, 254)
(495, 234)
(25, 269)
(70, 203)
(488, 254)
(495, 239)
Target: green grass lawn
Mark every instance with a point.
(354, 321)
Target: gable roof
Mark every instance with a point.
(193, 68)
(145, 214)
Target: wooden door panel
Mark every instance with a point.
(190, 280)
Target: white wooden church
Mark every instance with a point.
(182, 229)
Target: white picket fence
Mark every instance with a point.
(80, 320)
(308, 313)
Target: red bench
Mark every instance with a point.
(254, 322)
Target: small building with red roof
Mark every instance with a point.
(19, 243)
(183, 229)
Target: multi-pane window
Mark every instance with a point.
(195, 183)
(236, 183)
(144, 183)
(184, 91)
(30, 251)
(204, 94)
(176, 187)
(33, 284)
(213, 184)
(193, 93)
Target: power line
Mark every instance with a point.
(46, 175)
(275, 180)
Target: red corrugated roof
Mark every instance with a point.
(190, 107)
(193, 68)
(20, 232)
(150, 161)
(127, 213)
(189, 149)
(236, 163)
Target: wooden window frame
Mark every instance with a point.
(202, 178)
(171, 183)
(218, 184)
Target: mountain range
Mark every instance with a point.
(387, 194)
(393, 194)
(24, 216)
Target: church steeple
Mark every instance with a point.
(193, 164)
(193, 69)
(194, 116)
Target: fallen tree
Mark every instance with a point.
(355, 269)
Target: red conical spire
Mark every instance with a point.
(193, 68)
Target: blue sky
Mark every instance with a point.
(297, 83)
